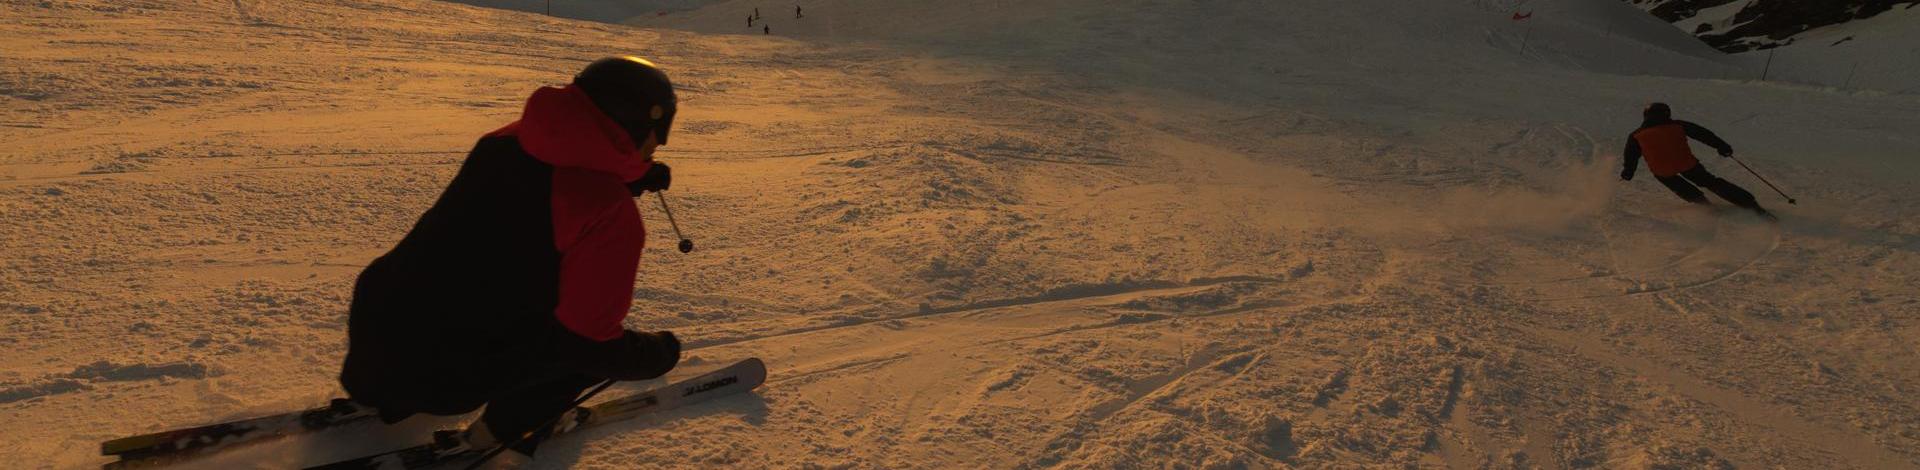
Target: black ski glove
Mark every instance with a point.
(632, 356)
(651, 355)
(663, 351)
(658, 178)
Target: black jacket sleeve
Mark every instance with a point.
(1632, 155)
(1706, 136)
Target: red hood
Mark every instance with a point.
(560, 126)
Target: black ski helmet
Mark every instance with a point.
(633, 92)
(1657, 112)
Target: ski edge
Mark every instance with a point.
(741, 376)
(132, 444)
(184, 443)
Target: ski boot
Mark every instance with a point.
(476, 439)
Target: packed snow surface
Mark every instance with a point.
(996, 234)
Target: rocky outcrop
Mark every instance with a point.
(1762, 24)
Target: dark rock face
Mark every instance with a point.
(1765, 24)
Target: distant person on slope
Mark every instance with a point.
(510, 291)
(1663, 141)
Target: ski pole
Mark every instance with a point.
(686, 244)
(1763, 179)
(550, 423)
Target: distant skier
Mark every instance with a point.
(764, 29)
(1663, 141)
(510, 291)
(796, 12)
(749, 21)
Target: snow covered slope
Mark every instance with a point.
(1369, 34)
(605, 11)
(986, 233)
(1875, 54)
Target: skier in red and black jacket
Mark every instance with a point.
(511, 290)
(1662, 140)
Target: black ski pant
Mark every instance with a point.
(515, 409)
(519, 399)
(529, 408)
(1683, 186)
(403, 365)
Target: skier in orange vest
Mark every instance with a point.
(1663, 141)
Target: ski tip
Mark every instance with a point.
(751, 370)
(754, 369)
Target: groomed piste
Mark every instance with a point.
(996, 234)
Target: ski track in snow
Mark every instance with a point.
(1068, 296)
(1854, 449)
(224, 171)
(1669, 286)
